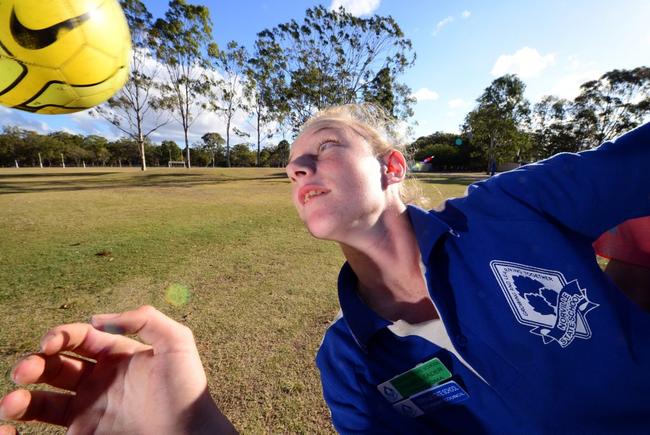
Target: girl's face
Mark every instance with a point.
(337, 182)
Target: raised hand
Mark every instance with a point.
(156, 387)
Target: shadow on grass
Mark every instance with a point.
(143, 180)
(54, 174)
(172, 174)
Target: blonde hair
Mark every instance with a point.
(383, 134)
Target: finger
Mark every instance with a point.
(44, 406)
(87, 341)
(61, 371)
(5, 429)
(152, 326)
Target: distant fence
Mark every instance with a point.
(175, 163)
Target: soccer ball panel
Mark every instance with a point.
(89, 66)
(37, 14)
(80, 7)
(11, 72)
(34, 82)
(66, 45)
(103, 33)
(90, 96)
(54, 94)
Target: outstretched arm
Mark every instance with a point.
(158, 386)
(588, 192)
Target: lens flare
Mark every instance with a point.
(177, 294)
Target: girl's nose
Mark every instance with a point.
(301, 166)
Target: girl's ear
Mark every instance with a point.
(395, 167)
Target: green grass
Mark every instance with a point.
(75, 242)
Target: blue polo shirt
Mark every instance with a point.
(542, 340)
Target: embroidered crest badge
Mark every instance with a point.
(542, 298)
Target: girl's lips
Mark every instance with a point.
(306, 193)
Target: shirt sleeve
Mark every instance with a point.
(588, 192)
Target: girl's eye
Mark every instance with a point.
(326, 145)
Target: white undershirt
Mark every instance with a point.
(433, 331)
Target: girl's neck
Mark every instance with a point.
(386, 261)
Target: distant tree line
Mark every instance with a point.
(19, 147)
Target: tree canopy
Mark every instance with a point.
(332, 58)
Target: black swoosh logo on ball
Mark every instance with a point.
(35, 39)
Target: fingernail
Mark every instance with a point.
(98, 319)
(14, 371)
(45, 340)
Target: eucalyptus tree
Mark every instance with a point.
(213, 144)
(229, 89)
(332, 58)
(500, 121)
(618, 101)
(183, 43)
(265, 109)
(135, 109)
(552, 127)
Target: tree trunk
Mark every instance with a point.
(188, 164)
(491, 158)
(228, 142)
(143, 162)
(258, 140)
(40, 161)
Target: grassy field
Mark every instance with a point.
(74, 242)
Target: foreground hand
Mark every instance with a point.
(157, 387)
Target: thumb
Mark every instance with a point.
(153, 327)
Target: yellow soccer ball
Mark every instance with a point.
(62, 56)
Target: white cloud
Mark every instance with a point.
(457, 103)
(574, 63)
(525, 62)
(568, 86)
(17, 118)
(441, 24)
(576, 72)
(425, 94)
(86, 124)
(356, 7)
(465, 14)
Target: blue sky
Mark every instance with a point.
(461, 47)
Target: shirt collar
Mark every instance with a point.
(428, 228)
(362, 321)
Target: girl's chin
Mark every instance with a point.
(320, 231)
(321, 226)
